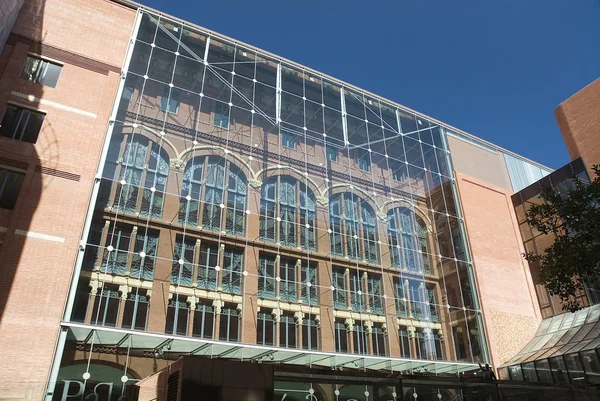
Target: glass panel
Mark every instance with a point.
(591, 365)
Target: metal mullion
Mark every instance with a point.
(203, 314)
(365, 291)
(154, 181)
(416, 225)
(202, 194)
(130, 250)
(3, 184)
(116, 248)
(144, 249)
(343, 224)
(278, 97)
(108, 298)
(227, 325)
(262, 323)
(220, 262)
(360, 232)
(299, 284)
(197, 253)
(23, 111)
(118, 171)
(346, 289)
(298, 206)
(134, 312)
(344, 120)
(277, 210)
(225, 195)
(39, 75)
(470, 273)
(102, 246)
(275, 273)
(176, 311)
(286, 333)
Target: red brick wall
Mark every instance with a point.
(36, 272)
(508, 301)
(578, 118)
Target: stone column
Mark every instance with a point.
(369, 331)
(299, 319)
(217, 308)
(349, 330)
(124, 290)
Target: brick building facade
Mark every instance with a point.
(201, 196)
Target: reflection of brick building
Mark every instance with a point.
(248, 207)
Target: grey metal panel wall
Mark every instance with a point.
(521, 173)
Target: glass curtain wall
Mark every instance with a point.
(242, 188)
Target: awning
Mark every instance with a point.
(179, 345)
(561, 335)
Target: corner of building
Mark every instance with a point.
(579, 122)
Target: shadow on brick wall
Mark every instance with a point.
(20, 160)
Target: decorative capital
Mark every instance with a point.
(124, 290)
(368, 326)
(276, 315)
(218, 305)
(298, 317)
(384, 328)
(192, 300)
(318, 320)
(239, 308)
(149, 293)
(412, 331)
(177, 164)
(349, 324)
(254, 183)
(94, 287)
(322, 200)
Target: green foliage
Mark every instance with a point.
(574, 257)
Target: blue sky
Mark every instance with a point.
(496, 69)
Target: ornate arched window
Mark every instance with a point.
(353, 226)
(212, 184)
(408, 239)
(141, 172)
(287, 213)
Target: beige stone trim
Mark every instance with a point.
(40, 236)
(46, 102)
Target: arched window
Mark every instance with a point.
(408, 240)
(287, 213)
(353, 228)
(141, 172)
(211, 184)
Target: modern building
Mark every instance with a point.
(565, 347)
(168, 191)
